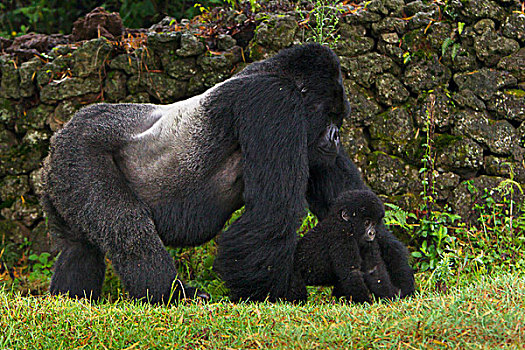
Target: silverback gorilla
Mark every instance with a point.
(127, 179)
(342, 251)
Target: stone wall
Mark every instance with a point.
(459, 68)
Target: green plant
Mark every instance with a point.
(432, 230)
(451, 41)
(235, 4)
(309, 222)
(322, 22)
(406, 57)
(507, 188)
(434, 234)
(21, 16)
(42, 265)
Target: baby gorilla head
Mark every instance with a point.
(362, 210)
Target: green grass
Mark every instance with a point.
(485, 314)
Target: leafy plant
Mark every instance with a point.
(406, 57)
(451, 41)
(42, 265)
(322, 22)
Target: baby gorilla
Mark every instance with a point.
(341, 251)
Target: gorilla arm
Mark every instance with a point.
(326, 182)
(346, 262)
(255, 256)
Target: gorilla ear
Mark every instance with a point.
(344, 215)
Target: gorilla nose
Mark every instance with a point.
(333, 136)
(370, 233)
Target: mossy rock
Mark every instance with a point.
(69, 87)
(484, 82)
(514, 26)
(13, 186)
(390, 91)
(509, 104)
(10, 79)
(424, 75)
(355, 142)
(190, 45)
(164, 88)
(364, 105)
(54, 70)
(515, 64)
(458, 154)
(91, 57)
(503, 166)
(498, 136)
(28, 71)
(115, 86)
(25, 210)
(491, 47)
(353, 41)
(390, 175)
(34, 118)
(394, 132)
(364, 69)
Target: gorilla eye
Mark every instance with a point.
(344, 215)
(367, 222)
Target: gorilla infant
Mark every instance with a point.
(123, 180)
(342, 251)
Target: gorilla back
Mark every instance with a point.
(126, 179)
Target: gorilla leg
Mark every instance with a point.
(326, 182)
(297, 291)
(89, 192)
(375, 274)
(80, 267)
(79, 270)
(353, 288)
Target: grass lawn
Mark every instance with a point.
(488, 313)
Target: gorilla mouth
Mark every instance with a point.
(328, 151)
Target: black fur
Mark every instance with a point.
(375, 273)
(341, 252)
(127, 179)
(326, 183)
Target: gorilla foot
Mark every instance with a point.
(79, 271)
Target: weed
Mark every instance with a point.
(322, 22)
(42, 265)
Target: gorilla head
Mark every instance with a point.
(362, 212)
(314, 70)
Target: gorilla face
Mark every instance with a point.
(327, 115)
(364, 226)
(326, 107)
(315, 72)
(328, 143)
(363, 211)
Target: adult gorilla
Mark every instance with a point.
(125, 179)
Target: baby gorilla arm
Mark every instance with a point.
(375, 273)
(346, 261)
